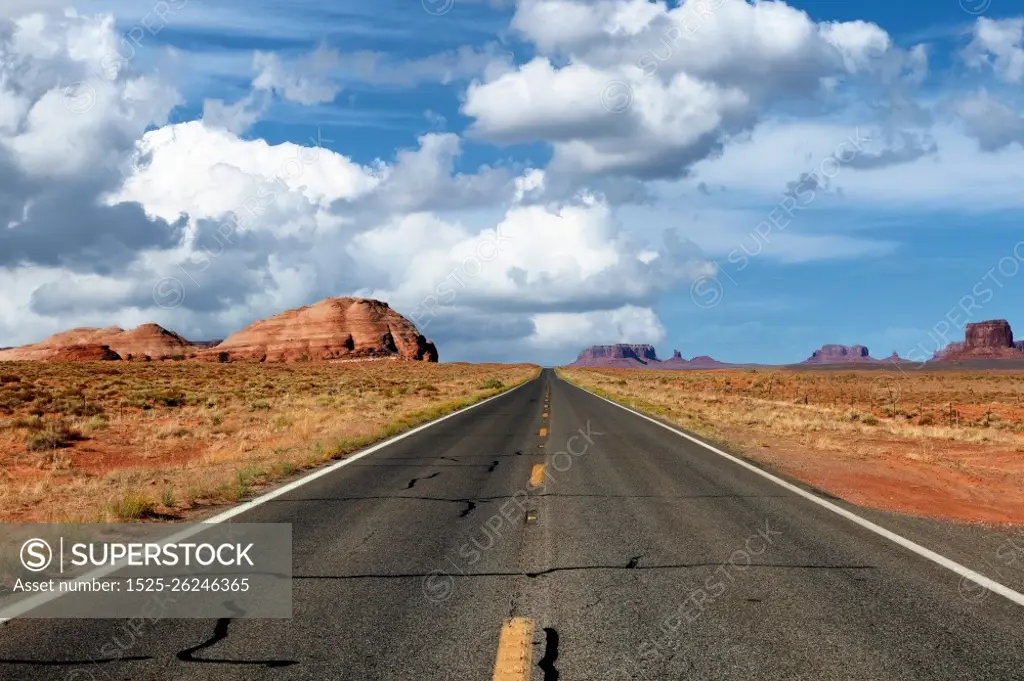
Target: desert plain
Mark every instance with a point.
(924, 441)
(166, 440)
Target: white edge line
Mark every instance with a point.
(963, 571)
(21, 607)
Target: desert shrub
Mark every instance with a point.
(869, 420)
(99, 422)
(53, 435)
(223, 357)
(282, 421)
(491, 384)
(81, 408)
(260, 405)
(133, 506)
(170, 432)
(168, 398)
(926, 420)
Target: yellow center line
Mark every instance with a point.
(544, 415)
(543, 432)
(537, 475)
(515, 650)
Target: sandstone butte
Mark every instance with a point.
(984, 340)
(840, 354)
(335, 328)
(149, 340)
(626, 356)
(847, 354)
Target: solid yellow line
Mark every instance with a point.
(544, 415)
(515, 650)
(537, 475)
(543, 432)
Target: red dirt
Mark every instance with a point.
(898, 478)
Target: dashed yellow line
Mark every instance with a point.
(537, 475)
(515, 650)
(543, 432)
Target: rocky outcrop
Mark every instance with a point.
(624, 356)
(621, 355)
(149, 341)
(984, 340)
(335, 328)
(675, 362)
(85, 353)
(706, 362)
(839, 354)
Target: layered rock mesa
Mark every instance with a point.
(149, 341)
(626, 356)
(839, 354)
(992, 339)
(334, 328)
(619, 355)
(848, 354)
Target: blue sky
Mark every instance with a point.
(444, 120)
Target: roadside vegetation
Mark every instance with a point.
(104, 442)
(936, 443)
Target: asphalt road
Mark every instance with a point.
(645, 556)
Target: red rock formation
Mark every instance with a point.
(621, 355)
(84, 353)
(641, 357)
(839, 354)
(148, 340)
(984, 340)
(676, 362)
(335, 328)
(706, 362)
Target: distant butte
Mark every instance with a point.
(626, 356)
(984, 340)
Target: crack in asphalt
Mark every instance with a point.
(220, 633)
(547, 663)
(583, 568)
(427, 477)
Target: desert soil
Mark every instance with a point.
(120, 441)
(937, 444)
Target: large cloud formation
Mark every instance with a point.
(640, 89)
(112, 214)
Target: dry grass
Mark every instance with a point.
(865, 435)
(130, 441)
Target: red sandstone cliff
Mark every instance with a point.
(984, 340)
(335, 328)
(148, 340)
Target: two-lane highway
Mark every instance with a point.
(614, 549)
